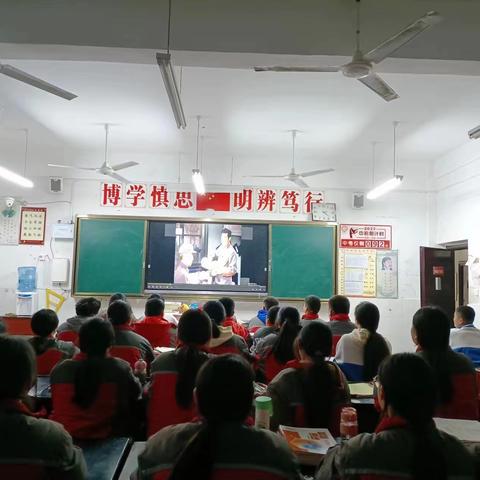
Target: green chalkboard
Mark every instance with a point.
(303, 260)
(109, 256)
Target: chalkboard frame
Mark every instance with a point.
(206, 295)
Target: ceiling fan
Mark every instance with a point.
(293, 176)
(106, 169)
(361, 65)
(25, 77)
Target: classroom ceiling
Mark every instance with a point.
(246, 115)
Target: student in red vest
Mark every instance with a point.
(173, 374)
(94, 395)
(260, 319)
(312, 305)
(406, 443)
(454, 372)
(231, 321)
(221, 445)
(44, 324)
(223, 339)
(30, 447)
(126, 340)
(310, 392)
(85, 309)
(154, 327)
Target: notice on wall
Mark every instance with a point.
(378, 237)
(9, 226)
(32, 225)
(387, 274)
(357, 273)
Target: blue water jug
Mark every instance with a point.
(27, 279)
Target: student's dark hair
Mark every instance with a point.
(409, 388)
(87, 307)
(339, 304)
(194, 331)
(154, 307)
(432, 327)
(376, 348)
(224, 394)
(156, 295)
(272, 314)
(227, 231)
(117, 296)
(17, 367)
(318, 380)
(270, 302)
(229, 305)
(119, 312)
(43, 324)
(95, 338)
(216, 311)
(289, 320)
(467, 313)
(313, 303)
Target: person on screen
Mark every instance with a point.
(185, 260)
(223, 266)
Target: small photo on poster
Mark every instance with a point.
(387, 274)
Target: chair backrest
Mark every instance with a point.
(464, 405)
(238, 473)
(17, 325)
(94, 422)
(129, 354)
(335, 340)
(68, 336)
(47, 360)
(157, 334)
(24, 471)
(272, 367)
(163, 409)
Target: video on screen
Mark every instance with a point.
(207, 257)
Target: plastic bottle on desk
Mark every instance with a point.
(263, 412)
(348, 423)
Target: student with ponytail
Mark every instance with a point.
(454, 372)
(406, 443)
(311, 391)
(94, 395)
(220, 445)
(360, 352)
(174, 373)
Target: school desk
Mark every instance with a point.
(131, 463)
(105, 458)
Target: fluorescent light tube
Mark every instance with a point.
(197, 180)
(15, 178)
(385, 187)
(168, 74)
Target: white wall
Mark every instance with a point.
(408, 213)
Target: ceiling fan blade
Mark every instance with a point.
(300, 182)
(264, 176)
(316, 172)
(91, 169)
(375, 83)
(121, 166)
(297, 69)
(118, 177)
(24, 77)
(386, 48)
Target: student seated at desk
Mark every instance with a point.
(85, 309)
(231, 321)
(219, 446)
(174, 373)
(278, 349)
(340, 324)
(127, 344)
(454, 372)
(270, 327)
(359, 353)
(223, 339)
(260, 319)
(154, 327)
(48, 349)
(310, 392)
(312, 305)
(30, 447)
(94, 395)
(465, 338)
(406, 443)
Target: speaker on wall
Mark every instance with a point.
(358, 200)
(55, 185)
